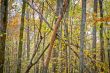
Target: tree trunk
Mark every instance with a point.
(94, 35)
(108, 47)
(42, 67)
(54, 35)
(82, 36)
(66, 36)
(54, 62)
(102, 52)
(109, 50)
(28, 36)
(71, 65)
(3, 26)
(52, 42)
(60, 52)
(21, 38)
(109, 56)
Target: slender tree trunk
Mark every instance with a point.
(109, 56)
(36, 49)
(94, 28)
(66, 36)
(53, 37)
(51, 44)
(82, 36)
(42, 67)
(108, 47)
(94, 34)
(3, 26)
(70, 65)
(54, 62)
(28, 36)
(102, 52)
(109, 51)
(21, 38)
(43, 44)
(60, 52)
(34, 37)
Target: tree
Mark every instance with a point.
(55, 53)
(82, 35)
(21, 38)
(3, 27)
(66, 35)
(28, 35)
(94, 32)
(53, 37)
(102, 52)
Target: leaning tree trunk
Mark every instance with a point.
(21, 38)
(3, 26)
(82, 35)
(54, 55)
(53, 37)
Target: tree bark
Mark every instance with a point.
(21, 38)
(3, 27)
(109, 56)
(82, 36)
(54, 36)
(94, 34)
(54, 54)
(102, 52)
(66, 36)
(51, 44)
(28, 35)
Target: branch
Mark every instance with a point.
(39, 14)
(32, 64)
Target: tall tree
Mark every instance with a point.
(102, 53)
(66, 35)
(108, 46)
(21, 38)
(94, 32)
(3, 26)
(94, 27)
(109, 55)
(28, 35)
(82, 35)
(53, 37)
